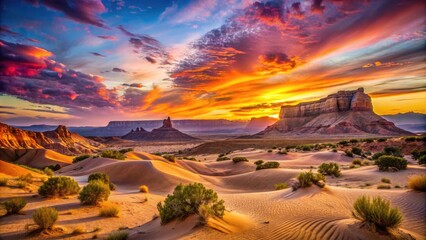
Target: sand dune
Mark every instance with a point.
(37, 158)
(12, 170)
(142, 156)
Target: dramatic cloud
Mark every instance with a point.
(116, 69)
(110, 38)
(97, 54)
(135, 85)
(29, 73)
(82, 11)
(149, 47)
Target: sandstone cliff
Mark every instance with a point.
(345, 112)
(60, 140)
(257, 124)
(164, 133)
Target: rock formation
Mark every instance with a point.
(60, 140)
(257, 124)
(345, 112)
(164, 133)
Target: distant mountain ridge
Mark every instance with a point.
(61, 140)
(410, 121)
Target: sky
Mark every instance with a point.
(88, 62)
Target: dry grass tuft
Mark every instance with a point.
(417, 182)
(144, 189)
(109, 210)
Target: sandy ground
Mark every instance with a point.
(255, 209)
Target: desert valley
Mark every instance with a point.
(213, 119)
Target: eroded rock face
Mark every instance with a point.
(345, 112)
(60, 140)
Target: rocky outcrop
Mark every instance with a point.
(60, 140)
(345, 112)
(164, 133)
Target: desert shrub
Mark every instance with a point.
(103, 177)
(394, 151)
(283, 151)
(268, 165)
(422, 160)
(58, 187)
(14, 205)
(356, 150)
(270, 150)
(80, 158)
(170, 158)
(190, 158)
(366, 162)
(259, 162)
(239, 159)
(417, 182)
(48, 171)
(385, 162)
(343, 143)
(28, 178)
(224, 158)
(118, 235)
(110, 153)
(222, 155)
(144, 189)
(94, 193)
(357, 161)
(54, 167)
(386, 180)
(383, 186)
(21, 184)
(306, 179)
(3, 181)
(381, 140)
(376, 212)
(417, 154)
(274, 147)
(45, 217)
(125, 150)
(377, 155)
(109, 210)
(368, 140)
(187, 200)
(353, 140)
(280, 186)
(349, 153)
(334, 150)
(410, 139)
(306, 148)
(331, 169)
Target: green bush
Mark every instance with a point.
(224, 158)
(343, 143)
(118, 235)
(125, 150)
(94, 193)
(376, 212)
(417, 182)
(381, 140)
(268, 165)
(368, 140)
(170, 158)
(377, 155)
(45, 217)
(110, 153)
(353, 140)
(48, 171)
(55, 167)
(80, 158)
(280, 186)
(385, 162)
(306, 179)
(189, 199)
(349, 153)
(356, 150)
(422, 160)
(331, 169)
(59, 187)
(103, 177)
(394, 151)
(14, 205)
(410, 139)
(270, 150)
(259, 162)
(417, 154)
(306, 148)
(239, 159)
(357, 161)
